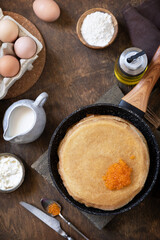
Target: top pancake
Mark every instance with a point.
(89, 148)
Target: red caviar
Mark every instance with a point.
(118, 176)
(54, 209)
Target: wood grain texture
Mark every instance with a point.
(73, 76)
(140, 94)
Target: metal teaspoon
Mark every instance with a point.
(45, 204)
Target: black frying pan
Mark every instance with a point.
(131, 108)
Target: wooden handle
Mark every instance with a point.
(139, 95)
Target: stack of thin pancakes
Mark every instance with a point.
(89, 148)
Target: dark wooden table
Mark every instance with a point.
(73, 76)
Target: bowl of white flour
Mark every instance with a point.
(12, 172)
(97, 28)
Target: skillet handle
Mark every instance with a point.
(139, 95)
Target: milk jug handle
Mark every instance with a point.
(41, 99)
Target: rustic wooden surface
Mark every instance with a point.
(73, 76)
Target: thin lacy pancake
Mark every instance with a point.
(89, 148)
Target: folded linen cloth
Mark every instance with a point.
(144, 34)
(151, 10)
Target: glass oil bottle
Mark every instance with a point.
(130, 66)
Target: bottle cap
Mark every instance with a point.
(137, 66)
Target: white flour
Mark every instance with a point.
(97, 29)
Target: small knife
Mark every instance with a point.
(51, 222)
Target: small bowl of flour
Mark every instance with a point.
(97, 28)
(12, 172)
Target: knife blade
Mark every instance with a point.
(48, 220)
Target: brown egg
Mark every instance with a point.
(8, 31)
(25, 47)
(46, 10)
(9, 66)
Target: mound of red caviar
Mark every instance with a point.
(118, 176)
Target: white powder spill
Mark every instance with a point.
(97, 29)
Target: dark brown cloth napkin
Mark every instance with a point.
(142, 23)
(151, 10)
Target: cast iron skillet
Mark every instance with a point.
(131, 108)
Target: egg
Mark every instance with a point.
(25, 47)
(8, 31)
(9, 66)
(46, 10)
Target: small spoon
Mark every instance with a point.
(45, 204)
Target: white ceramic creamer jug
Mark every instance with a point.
(25, 120)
